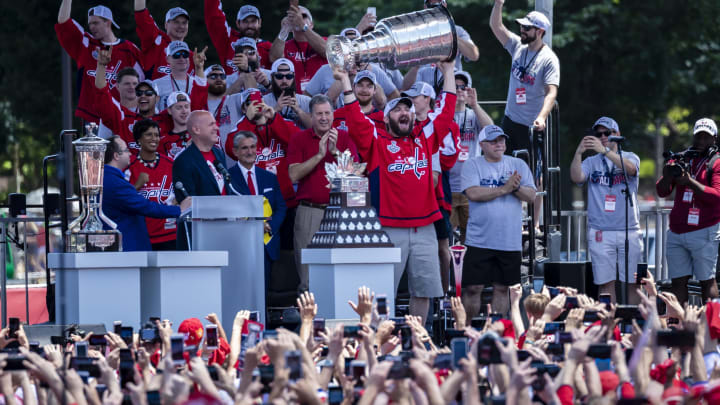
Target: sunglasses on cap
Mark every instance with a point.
(526, 27)
(281, 76)
(246, 51)
(148, 93)
(213, 76)
(599, 134)
(181, 54)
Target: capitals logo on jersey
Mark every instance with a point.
(492, 183)
(603, 179)
(110, 72)
(272, 152)
(157, 190)
(410, 163)
(523, 74)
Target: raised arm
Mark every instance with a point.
(277, 50)
(496, 25)
(64, 13)
(140, 5)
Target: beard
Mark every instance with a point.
(395, 128)
(277, 91)
(526, 39)
(217, 89)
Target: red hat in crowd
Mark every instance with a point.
(616, 331)
(193, 329)
(659, 372)
(609, 381)
(509, 331)
(713, 319)
(674, 395)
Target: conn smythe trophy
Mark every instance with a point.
(405, 40)
(86, 233)
(349, 220)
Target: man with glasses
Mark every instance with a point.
(605, 209)
(153, 41)
(124, 206)
(249, 74)
(178, 57)
(282, 97)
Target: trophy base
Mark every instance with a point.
(95, 241)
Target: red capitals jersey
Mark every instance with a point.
(80, 45)
(449, 152)
(306, 61)
(222, 37)
(172, 144)
(272, 146)
(117, 118)
(152, 44)
(401, 168)
(159, 188)
(340, 118)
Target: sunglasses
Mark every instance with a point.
(181, 54)
(281, 76)
(461, 87)
(599, 134)
(148, 93)
(248, 52)
(213, 76)
(526, 27)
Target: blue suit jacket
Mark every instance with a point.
(122, 203)
(190, 169)
(267, 185)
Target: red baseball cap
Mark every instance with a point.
(193, 330)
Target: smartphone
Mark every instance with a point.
(571, 302)
(117, 326)
(523, 355)
(642, 271)
(661, 306)
(335, 395)
(605, 299)
(599, 351)
(443, 361)
(381, 304)
(675, 338)
(97, 340)
(127, 372)
(487, 351)
(212, 336)
(35, 348)
(58, 340)
(485, 299)
(478, 322)
(126, 354)
(267, 374)
(495, 317)
(564, 337)
(176, 349)
(496, 400)
(451, 334)
(148, 334)
(81, 349)
(153, 397)
(553, 327)
(154, 320)
(293, 361)
(627, 312)
(14, 362)
(100, 389)
(254, 316)
(86, 364)
(318, 326)
(591, 316)
(372, 10)
(554, 291)
(13, 326)
(357, 369)
(406, 337)
(348, 370)
(555, 349)
(538, 283)
(351, 331)
(126, 333)
(400, 370)
(459, 347)
(213, 373)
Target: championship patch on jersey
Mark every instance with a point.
(393, 147)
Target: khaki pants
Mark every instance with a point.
(307, 222)
(460, 213)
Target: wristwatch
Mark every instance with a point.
(607, 149)
(305, 28)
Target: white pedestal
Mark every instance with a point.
(336, 275)
(181, 285)
(98, 287)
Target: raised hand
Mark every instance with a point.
(365, 296)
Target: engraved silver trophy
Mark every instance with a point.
(404, 40)
(86, 233)
(349, 219)
(458, 254)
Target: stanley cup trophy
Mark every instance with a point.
(405, 40)
(86, 233)
(458, 254)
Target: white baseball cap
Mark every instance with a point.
(608, 123)
(351, 30)
(535, 19)
(177, 96)
(245, 41)
(304, 10)
(465, 75)
(176, 46)
(282, 61)
(419, 89)
(176, 12)
(394, 102)
(104, 12)
(705, 125)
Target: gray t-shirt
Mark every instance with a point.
(469, 145)
(461, 33)
(323, 79)
(288, 113)
(606, 202)
(495, 224)
(227, 116)
(541, 68)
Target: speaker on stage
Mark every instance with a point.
(42, 333)
(577, 275)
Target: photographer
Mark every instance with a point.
(692, 242)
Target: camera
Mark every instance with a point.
(681, 160)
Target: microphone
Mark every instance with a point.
(226, 175)
(179, 186)
(616, 139)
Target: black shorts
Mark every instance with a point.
(442, 225)
(519, 136)
(487, 266)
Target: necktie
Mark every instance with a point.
(251, 185)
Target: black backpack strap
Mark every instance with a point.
(710, 166)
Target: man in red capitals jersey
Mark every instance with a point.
(248, 23)
(399, 165)
(174, 142)
(307, 48)
(364, 86)
(82, 47)
(151, 174)
(153, 42)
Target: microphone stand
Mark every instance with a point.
(628, 204)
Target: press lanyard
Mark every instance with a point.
(525, 67)
(187, 83)
(607, 172)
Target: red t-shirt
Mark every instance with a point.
(565, 394)
(708, 202)
(159, 188)
(80, 45)
(222, 37)
(152, 44)
(304, 145)
(210, 158)
(306, 61)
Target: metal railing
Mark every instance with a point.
(653, 225)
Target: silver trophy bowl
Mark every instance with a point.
(401, 41)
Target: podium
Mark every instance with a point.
(234, 224)
(337, 273)
(180, 285)
(98, 287)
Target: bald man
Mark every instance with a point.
(201, 165)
